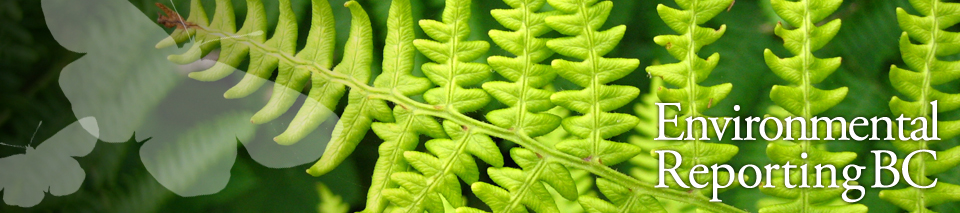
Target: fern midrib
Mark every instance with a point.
(356, 54)
(419, 108)
(405, 23)
(593, 57)
(805, 85)
(396, 155)
(400, 47)
(534, 177)
(316, 51)
(692, 87)
(530, 179)
(454, 59)
(924, 99)
(625, 208)
(361, 115)
(438, 178)
(525, 29)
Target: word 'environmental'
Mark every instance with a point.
(925, 130)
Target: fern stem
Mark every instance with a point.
(482, 127)
(805, 85)
(692, 87)
(925, 86)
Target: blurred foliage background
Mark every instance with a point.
(31, 60)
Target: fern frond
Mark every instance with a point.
(645, 167)
(291, 78)
(452, 71)
(524, 96)
(260, 66)
(449, 159)
(918, 86)
(323, 95)
(581, 21)
(398, 138)
(526, 113)
(452, 53)
(232, 53)
(223, 14)
(361, 110)
(398, 56)
(687, 74)
(624, 200)
(330, 202)
(289, 81)
(525, 187)
(438, 174)
(802, 99)
(183, 33)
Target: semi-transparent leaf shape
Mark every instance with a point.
(132, 89)
(50, 168)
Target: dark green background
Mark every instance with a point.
(30, 63)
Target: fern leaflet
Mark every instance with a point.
(581, 20)
(686, 74)
(404, 134)
(526, 113)
(934, 42)
(802, 99)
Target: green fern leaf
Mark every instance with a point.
(360, 111)
(399, 52)
(624, 200)
(330, 202)
(223, 18)
(433, 184)
(802, 99)
(323, 93)
(278, 52)
(526, 187)
(451, 53)
(524, 96)
(687, 74)
(197, 16)
(526, 113)
(398, 138)
(290, 81)
(233, 53)
(404, 134)
(438, 174)
(646, 166)
(918, 90)
(581, 20)
(261, 65)
(452, 71)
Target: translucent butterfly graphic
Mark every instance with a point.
(189, 131)
(51, 167)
